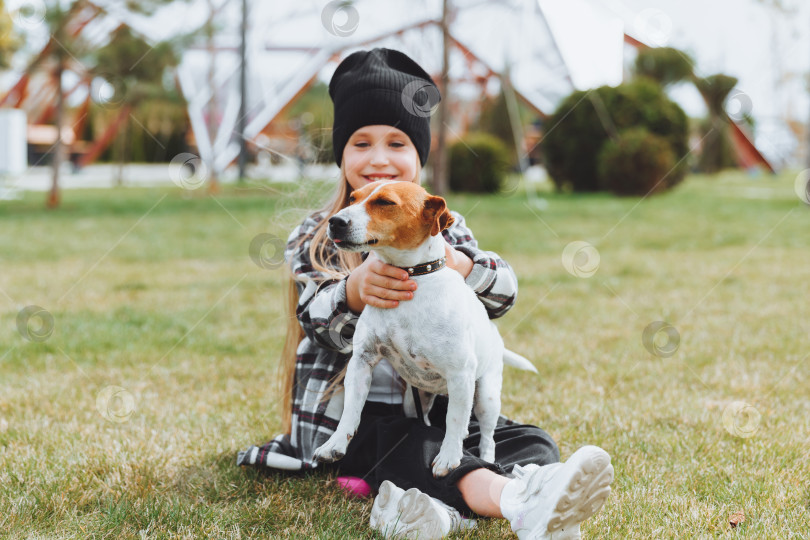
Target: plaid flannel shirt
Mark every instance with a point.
(328, 325)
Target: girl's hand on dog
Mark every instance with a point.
(378, 284)
(457, 260)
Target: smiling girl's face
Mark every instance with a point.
(379, 153)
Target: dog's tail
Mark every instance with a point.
(515, 360)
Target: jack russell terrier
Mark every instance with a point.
(441, 341)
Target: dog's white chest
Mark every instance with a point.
(419, 337)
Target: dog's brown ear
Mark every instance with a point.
(437, 214)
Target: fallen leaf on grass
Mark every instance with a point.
(736, 518)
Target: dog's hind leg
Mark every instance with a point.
(408, 404)
(425, 401)
(487, 410)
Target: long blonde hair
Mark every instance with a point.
(336, 264)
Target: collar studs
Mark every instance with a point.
(426, 268)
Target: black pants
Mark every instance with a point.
(390, 446)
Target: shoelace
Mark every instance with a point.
(535, 483)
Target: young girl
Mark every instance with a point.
(382, 132)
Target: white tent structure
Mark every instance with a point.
(548, 47)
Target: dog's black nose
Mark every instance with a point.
(338, 225)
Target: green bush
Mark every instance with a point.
(664, 64)
(638, 163)
(717, 152)
(576, 134)
(478, 164)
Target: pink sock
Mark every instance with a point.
(353, 486)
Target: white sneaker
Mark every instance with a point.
(545, 503)
(397, 513)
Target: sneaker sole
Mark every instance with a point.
(414, 517)
(586, 491)
(386, 498)
(418, 517)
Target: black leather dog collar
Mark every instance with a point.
(425, 268)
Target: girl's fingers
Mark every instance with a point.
(393, 284)
(387, 294)
(384, 269)
(380, 303)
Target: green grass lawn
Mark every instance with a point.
(126, 420)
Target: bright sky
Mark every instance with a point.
(767, 51)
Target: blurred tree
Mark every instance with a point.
(66, 43)
(478, 163)
(62, 46)
(134, 71)
(157, 132)
(717, 152)
(790, 10)
(9, 41)
(209, 30)
(572, 149)
(494, 119)
(664, 64)
(637, 162)
(313, 114)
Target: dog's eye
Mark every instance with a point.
(385, 202)
(351, 200)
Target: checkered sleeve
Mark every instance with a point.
(492, 279)
(322, 310)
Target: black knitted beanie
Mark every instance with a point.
(382, 87)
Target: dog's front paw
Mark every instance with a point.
(486, 448)
(445, 462)
(331, 451)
